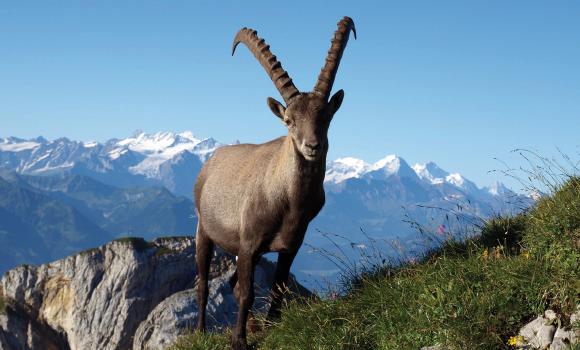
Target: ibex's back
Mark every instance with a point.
(252, 199)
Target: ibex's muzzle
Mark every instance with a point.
(314, 146)
(311, 150)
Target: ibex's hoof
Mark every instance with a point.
(239, 344)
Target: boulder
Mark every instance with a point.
(177, 315)
(104, 298)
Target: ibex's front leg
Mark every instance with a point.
(244, 292)
(280, 280)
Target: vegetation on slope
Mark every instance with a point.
(467, 295)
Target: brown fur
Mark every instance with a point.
(252, 199)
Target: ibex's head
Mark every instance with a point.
(307, 114)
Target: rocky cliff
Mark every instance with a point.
(126, 294)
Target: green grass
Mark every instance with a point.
(207, 341)
(197, 341)
(164, 251)
(138, 243)
(466, 295)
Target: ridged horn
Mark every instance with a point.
(337, 45)
(273, 67)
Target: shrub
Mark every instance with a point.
(164, 251)
(138, 243)
(504, 231)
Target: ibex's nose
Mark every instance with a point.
(313, 146)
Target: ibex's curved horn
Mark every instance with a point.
(272, 66)
(326, 77)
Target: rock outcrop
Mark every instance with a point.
(545, 332)
(126, 294)
(177, 314)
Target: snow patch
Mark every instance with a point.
(455, 179)
(345, 168)
(8, 146)
(390, 163)
(161, 147)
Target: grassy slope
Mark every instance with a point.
(471, 295)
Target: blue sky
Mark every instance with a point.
(457, 82)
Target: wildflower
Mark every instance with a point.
(516, 340)
(441, 229)
(526, 254)
(497, 252)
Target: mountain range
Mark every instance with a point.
(58, 196)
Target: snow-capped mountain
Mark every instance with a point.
(363, 200)
(347, 168)
(173, 160)
(429, 173)
(168, 159)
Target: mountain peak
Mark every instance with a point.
(391, 165)
(498, 189)
(351, 161)
(345, 168)
(455, 179)
(430, 172)
(187, 135)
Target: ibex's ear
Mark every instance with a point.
(335, 101)
(277, 108)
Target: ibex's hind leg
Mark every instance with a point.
(280, 283)
(244, 292)
(203, 254)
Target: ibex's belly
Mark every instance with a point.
(220, 222)
(252, 225)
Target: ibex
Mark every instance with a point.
(252, 199)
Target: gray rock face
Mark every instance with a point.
(563, 339)
(100, 298)
(28, 333)
(177, 314)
